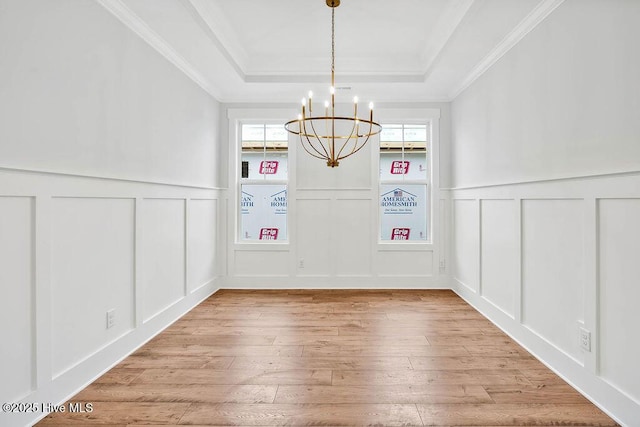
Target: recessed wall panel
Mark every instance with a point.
(553, 271)
(92, 272)
(405, 263)
(313, 236)
(500, 253)
(202, 242)
(466, 236)
(352, 237)
(262, 263)
(16, 305)
(619, 238)
(163, 255)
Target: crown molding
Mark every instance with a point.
(531, 21)
(139, 27)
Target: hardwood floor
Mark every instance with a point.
(386, 358)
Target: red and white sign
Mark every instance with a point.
(268, 234)
(400, 234)
(268, 167)
(399, 167)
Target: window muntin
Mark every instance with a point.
(404, 180)
(263, 183)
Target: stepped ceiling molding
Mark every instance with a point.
(387, 51)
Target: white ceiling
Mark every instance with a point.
(275, 51)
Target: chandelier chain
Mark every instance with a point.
(333, 45)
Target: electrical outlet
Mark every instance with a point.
(111, 318)
(585, 339)
(301, 263)
(443, 265)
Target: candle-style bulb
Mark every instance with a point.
(371, 105)
(304, 101)
(326, 104)
(299, 117)
(355, 99)
(310, 94)
(332, 90)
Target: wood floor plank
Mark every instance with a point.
(429, 393)
(214, 340)
(468, 339)
(286, 322)
(484, 377)
(556, 393)
(295, 317)
(303, 414)
(460, 362)
(280, 363)
(396, 331)
(351, 340)
(188, 393)
(376, 350)
(301, 331)
(182, 361)
(528, 414)
(497, 350)
(216, 350)
(234, 376)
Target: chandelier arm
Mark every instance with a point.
(304, 146)
(315, 135)
(355, 151)
(312, 145)
(313, 128)
(355, 144)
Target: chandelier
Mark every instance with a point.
(330, 137)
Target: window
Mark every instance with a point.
(404, 181)
(263, 182)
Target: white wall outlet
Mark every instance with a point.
(585, 339)
(301, 263)
(111, 318)
(443, 265)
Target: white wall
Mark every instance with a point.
(333, 216)
(109, 196)
(546, 197)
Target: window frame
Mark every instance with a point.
(410, 116)
(239, 182)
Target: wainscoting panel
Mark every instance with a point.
(163, 243)
(203, 234)
(92, 273)
(353, 232)
(313, 231)
(552, 271)
(466, 239)
(257, 263)
(405, 263)
(619, 289)
(500, 274)
(17, 311)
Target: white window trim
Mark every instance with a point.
(236, 118)
(430, 116)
